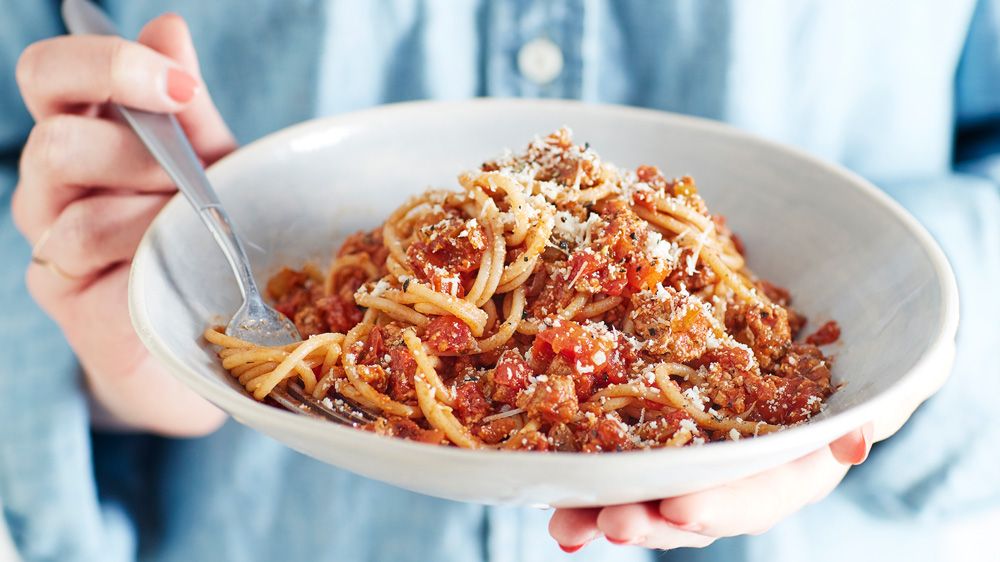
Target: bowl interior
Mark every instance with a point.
(843, 250)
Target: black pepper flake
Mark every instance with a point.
(524, 315)
(631, 235)
(586, 146)
(406, 284)
(525, 258)
(652, 331)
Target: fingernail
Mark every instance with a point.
(181, 86)
(570, 549)
(613, 540)
(866, 442)
(684, 526)
(636, 540)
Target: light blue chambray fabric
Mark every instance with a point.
(905, 96)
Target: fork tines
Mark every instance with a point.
(292, 397)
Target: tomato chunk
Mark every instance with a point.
(826, 334)
(510, 376)
(448, 334)
(586, 352)
(470, 404)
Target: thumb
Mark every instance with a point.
(211, 138)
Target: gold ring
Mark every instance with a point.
(51, 266)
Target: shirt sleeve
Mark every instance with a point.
(922, 488)
(942, 464)
(50, 504)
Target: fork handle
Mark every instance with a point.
(166, 141)
(164, 138)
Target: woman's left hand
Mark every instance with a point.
(745, 507)
(748, 506)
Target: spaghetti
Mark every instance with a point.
(554, 303)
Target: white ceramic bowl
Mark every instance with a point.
(845, 250)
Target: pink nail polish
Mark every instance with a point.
(866, 443)
(181, 86)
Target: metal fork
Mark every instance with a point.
(291, 396)
(255, 321)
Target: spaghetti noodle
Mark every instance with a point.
(554, 303)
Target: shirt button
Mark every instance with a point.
(540, 60)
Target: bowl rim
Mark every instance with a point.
(242, 407)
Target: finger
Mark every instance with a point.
(141, 394)
(573, 528)
(169, 35)
(663, 536)
(854, 447)
(642, 524)
(66, 155)
(63, 73)
(96, 232)
(627, 524)
(753, 505)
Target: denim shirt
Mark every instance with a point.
(910, 98)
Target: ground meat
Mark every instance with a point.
(562, 438)
(572, 349)
(395, 426)
(732, 390)
(672, 324)
(608, 434)
(339, 313)
(495, 431)
(561, 163)
(791, 400)
(615, 261)
(553, 400)
(662, 429)
(446, 251)
(679, 187)
(729, 357)
(548, 291)
(308, 320)
(293, 293)
(368, 243)
(695, 279)
(766, 397)
(781, 297)
(804, 360)
(764, 328)
(529, 441)
(299, 296)
(471, 404)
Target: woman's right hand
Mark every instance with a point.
(87, 191)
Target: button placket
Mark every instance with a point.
(540, 60)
